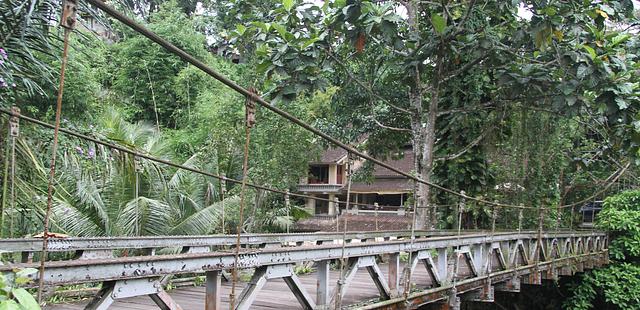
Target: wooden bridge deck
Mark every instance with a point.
(275, 294)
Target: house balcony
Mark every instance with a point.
(320, 188)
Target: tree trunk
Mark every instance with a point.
(419, 134)
(423, 129)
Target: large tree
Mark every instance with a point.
(411, 57)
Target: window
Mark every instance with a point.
(319, 174)
(391, 200)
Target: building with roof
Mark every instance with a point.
(327, 179)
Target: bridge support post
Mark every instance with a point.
(394, 278)
(550, 274)
(114, 290)
(566, 271)
(259, 279)
(485, 294)
(579, 265)
(322, 293)
(512, 285)
(213, 290)
(453, 303)
(534, 278)
(442, 264)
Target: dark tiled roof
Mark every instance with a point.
(404, 164)
(332, 155)
(355, 223)
(383, 185)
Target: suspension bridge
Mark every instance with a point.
(408, 269)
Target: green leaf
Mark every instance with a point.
(591, 51)
(26, 300)
(620, 38)
(10, 305)
(439, 23)
(583, 71)
(263, 26)
(309, 42)
(281, 30)
(241, 29)
(288, 4)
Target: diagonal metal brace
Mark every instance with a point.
(429, 264)
(264, 273)
(376, 274)
(114, 290)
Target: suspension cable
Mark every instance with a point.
(456, 263)
(539, 249)
(256, 186)
(340, 284)
(67, 21)
(119, 148)
(14, 132)
(520, 217)
(407, 268)
(5, 181)
(614, 178)
(489, 266)
(250, 120)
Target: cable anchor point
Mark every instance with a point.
(69, 9)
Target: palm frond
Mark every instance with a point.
(145, 216)
(204, 221)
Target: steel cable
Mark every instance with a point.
(52, 170)
(249, 122)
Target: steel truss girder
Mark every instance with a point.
(82, 271)
(140, 275)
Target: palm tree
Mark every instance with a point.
(102, 192)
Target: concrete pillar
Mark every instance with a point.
(333, 174)
(332, 204)
(311, 205)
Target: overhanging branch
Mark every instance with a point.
(365, 86)
(469, 146)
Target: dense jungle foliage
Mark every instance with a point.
(525, 102)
